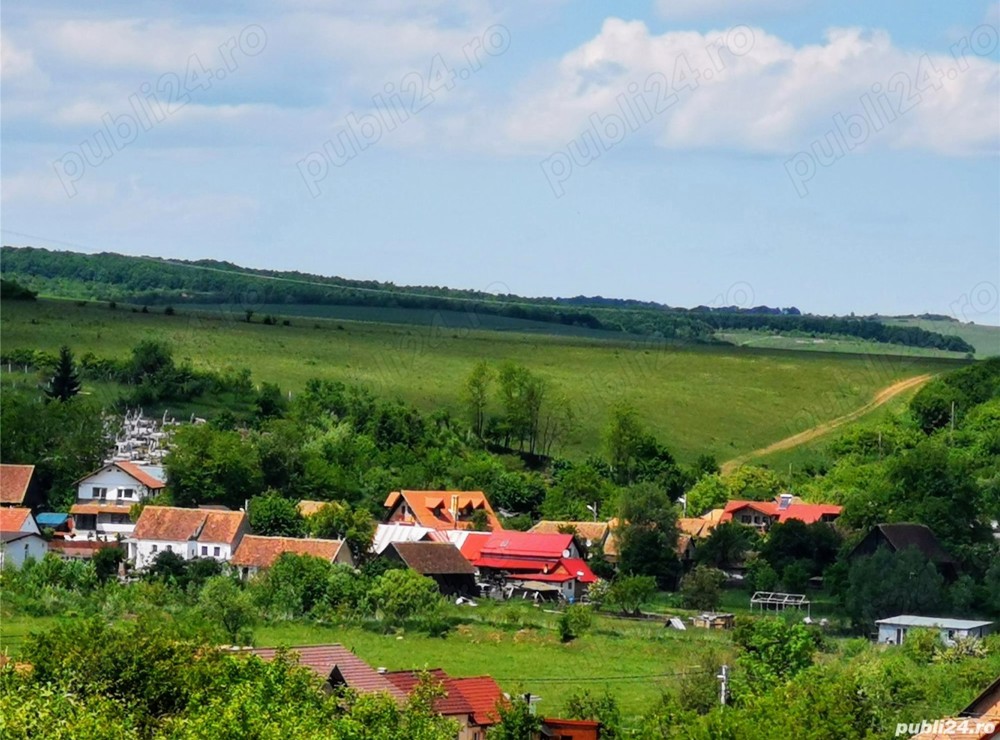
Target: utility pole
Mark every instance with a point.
(952, 433)
(723, 684)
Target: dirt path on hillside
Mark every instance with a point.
(881, 398)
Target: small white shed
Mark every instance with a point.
(892, 631)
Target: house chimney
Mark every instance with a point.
(454, 507)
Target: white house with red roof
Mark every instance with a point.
(20, 538)
(763, 514)
(440, 510)
(105, 497)
(549, 562)
(190, 533)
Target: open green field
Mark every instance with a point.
(721, 400)
(853, 345)
(986, 339)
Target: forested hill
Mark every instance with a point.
(151, 281)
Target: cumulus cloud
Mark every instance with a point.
(767, 96)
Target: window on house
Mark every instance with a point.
(155, 548)
(170, 548)
(204, 549)
(128, 492)
(99, 492)
(216, 551)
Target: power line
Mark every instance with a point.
(591, 679)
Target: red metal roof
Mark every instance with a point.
(14, 481)
(527, 544)
(509, 564)
(575, 566)
(472, 547)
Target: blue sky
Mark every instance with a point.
(836, 156)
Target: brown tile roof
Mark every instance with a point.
(12, 519)
(14, 481)
(696, 526)
(261, 552)
(99, 509)
(354, 672)
(433, 558)
(904, 535)
(593, 531)
(432, 509)
(174, 524)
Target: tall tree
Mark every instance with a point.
(65, 382)
(647, 534)
(477, 395)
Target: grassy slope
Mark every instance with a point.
(986, 339)
(852, 345)
(720, 400)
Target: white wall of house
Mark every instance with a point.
(111, 486)
(13, 554)
(143, 552)
(894, 634)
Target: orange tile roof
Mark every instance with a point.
(12, 519)
(432, 509)
(174, 524)
(140, 475)
(261, 552)
(483, 694)
(14, 481)
(808, 513)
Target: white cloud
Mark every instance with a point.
(774, 97)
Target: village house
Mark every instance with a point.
(471, 702)
(256, 553)
(762, 514)
(191, 533)
(980, 720)
(440, 561)
(893, 630)
(898, 537)
(591, 535)
(17, 485)
(538, 562)
(20, 537)
(339, 668)
(105, 498)
(441, 510)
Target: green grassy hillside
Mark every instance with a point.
(722, 400)
(986, 339)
